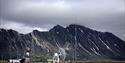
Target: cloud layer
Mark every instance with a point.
(102, 15)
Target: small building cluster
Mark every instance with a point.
(26, 59)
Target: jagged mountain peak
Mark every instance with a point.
(2, 29)
(57, 28)
(90, 43)
(79, 27)
(36, 31)
(10, 31)
(75, 25)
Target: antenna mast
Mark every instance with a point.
(75, 37)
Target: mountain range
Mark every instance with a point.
(71, 42)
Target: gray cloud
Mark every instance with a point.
(102, 15)
(21, 28)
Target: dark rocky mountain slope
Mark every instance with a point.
(74, 41)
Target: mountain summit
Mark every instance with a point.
(84, 42)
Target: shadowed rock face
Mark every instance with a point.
(85, 42)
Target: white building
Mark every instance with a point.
(56, 58)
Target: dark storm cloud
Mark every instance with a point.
(103, 15)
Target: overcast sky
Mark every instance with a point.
(27, 15)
